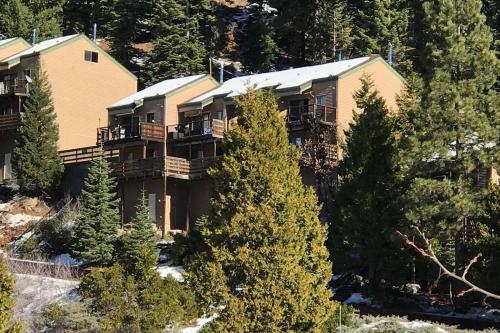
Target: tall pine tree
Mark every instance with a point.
(178, 50)
(96, 230)
(139, 253)
(376, 24)
(455, 130)
(258, 53)
(311, 31)
(36, 161)
(366, 206)
(19, 17)
(267, 266)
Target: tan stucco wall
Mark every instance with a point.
(385, 81)
(12, 48)
(83, 90)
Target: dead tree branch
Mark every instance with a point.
(428, 252)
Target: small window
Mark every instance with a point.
(220, 115)
(91, 56)
(150, 117)
(321, 100)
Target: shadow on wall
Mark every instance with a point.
(73, 178)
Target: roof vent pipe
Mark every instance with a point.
(340, 55)
(33, 37)
(389, 57)
(94, 33)
(221, 78)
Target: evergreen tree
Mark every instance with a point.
(130, 24)
(258, 52)
(19, 17)
(139, 254)
(378, 23)
(178, 50)
(454, 131)
(311, 31)
(36, 161)
(96, 230)
(7, 301)
(80, 15)
(491, 9)
(266, 263)
(366, 206)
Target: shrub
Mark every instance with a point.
(56, 235)
(70, 317)
(123, 303)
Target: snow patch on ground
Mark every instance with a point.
(357, 298)
(64, 259)
(17, 220)
(34, 293)
(413, 325)
(176, 272)
(5, 206)
(199, 325)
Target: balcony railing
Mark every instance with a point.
(16, 87)
(196, 129)
(306, 113)
(10, 121)
(142, 131)
(87, 155)
(139, 168)
(188, 169)
(174, 167)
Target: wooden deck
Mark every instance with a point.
(11, 121)
(122, 133)
(196, 130)
(175, 167)
(86, 155)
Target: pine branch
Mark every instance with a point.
(428, 252)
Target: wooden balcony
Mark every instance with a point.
(87, 155)
(196, 130)
(299, 115)
(170, 166)
(188, 169)
(10, 121)
(126, 133)
(148, 167)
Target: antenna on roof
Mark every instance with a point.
(33, 37)
(340, 55)
(94, 32)
(390, 54)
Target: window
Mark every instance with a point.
(220, 115)
(150, 117)
(91, 56)
(321, 100)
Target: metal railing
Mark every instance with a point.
(306, 113)
(197, 128)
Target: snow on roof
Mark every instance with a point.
(280, 80)
(158, 89)
(5, 41)
(38, 47)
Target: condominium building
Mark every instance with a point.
(84, 81)
(169, 134)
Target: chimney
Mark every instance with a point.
(33, 37)
(94, 33)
